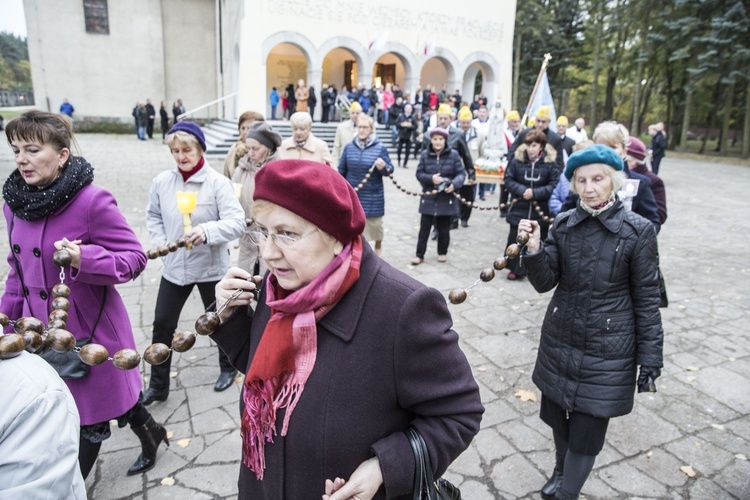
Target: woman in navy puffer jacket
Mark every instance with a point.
(359, 156)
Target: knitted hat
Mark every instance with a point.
(191, 128)
(438, 131)
(355, 106)
(563, 120)
(513, 115)
(315, 192)
(597, 153)
(465, 113)
(445, 109)
(545, 113)
(636, 148)
(264, 134)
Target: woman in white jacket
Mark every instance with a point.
(218, 219)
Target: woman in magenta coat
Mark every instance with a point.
(51, 197)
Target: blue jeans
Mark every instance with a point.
(273, 112)
(142, 132)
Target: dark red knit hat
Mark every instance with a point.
(315, 192)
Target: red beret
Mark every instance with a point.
(315, 192)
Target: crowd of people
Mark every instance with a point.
(319, 338)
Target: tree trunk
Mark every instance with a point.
(595, 79)
(746, 128)
(635, 124)
(685, 120)
(516, 71)
(729, 97)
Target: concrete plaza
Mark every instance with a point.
(700, 418)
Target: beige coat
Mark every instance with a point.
(302, 96)
(314, 149)
(237, 151)
(344, 135)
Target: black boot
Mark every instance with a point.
(563, 495)
(550, 487)
(151, 394)
(151, 435)
(158, 386)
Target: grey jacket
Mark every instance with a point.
(218, 212)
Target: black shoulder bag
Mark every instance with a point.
(425, 485)
(68, 365)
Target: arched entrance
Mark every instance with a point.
(484, 65)
(438, 73)
(389, 68)
(286, 63)
(340, 67)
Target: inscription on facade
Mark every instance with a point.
(97, 17)
(368, 14)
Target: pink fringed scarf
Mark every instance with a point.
(287, 351)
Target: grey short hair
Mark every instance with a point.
(300, 119)
(184, 138)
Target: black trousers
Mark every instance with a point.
(443, 226)
(467, 193)
(164, 128)
(169, 303)
(326, 113)
(150, 128)
(312, 112)
(655, 162)
(514, 265)
(401, 143)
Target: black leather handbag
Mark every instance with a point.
(68, 364)
(425, 486)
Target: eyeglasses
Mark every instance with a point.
(285, 239)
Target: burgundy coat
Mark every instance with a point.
(387, 358)
(110, 254)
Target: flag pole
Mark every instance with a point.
(547, 58)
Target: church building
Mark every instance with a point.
(104, 56)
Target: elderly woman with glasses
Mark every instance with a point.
(342, 353)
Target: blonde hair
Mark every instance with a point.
(616, 177)
(184, 138)
(300, 119)
(365, 118)
(611, 134)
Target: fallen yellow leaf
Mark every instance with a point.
(649, 454)
(183, 442)
(170, 434)
(687, 470)
(740, 456)
(525, 395)
(167, 481)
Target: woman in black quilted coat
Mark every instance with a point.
(603, 320)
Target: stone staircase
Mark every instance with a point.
(221, 134)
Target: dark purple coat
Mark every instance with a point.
(110, 254)
(386, 358)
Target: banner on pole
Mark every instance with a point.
(543, 97)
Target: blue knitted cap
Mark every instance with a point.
(597, 153)
(191, 128)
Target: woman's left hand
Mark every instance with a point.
(363, 484)
(450, 188)
(197, 236)
(528, 194)
(73, 249)
(380, 164)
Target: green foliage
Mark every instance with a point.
(15, 70)
(626, 59)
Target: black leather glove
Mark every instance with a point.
(647, 378)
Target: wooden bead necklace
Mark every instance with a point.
(31, 334)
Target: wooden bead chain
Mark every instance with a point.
(458, 295)
(31, 334)
(164, 250)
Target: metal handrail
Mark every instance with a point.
(208, 104)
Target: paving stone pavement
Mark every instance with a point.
(699, 417)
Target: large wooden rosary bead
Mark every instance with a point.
(11, 345)
(156, 354)
(512, 251)
(207, 323)
(522, 238)
(163, 251)
(61, 340)
(93, 354)
(61, 290)
(183, 341)
(152, 253)
(487, 274)
(33, 340)
(457, 295)
(4, 320)
(61, 303)
(126, 359)
(62, 258)
(172, 246)
(28, 323)
(500, 263)
(59, 314)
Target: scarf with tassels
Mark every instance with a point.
(287, 351)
